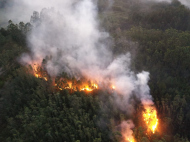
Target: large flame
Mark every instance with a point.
(127, 139)
(62, 84)
(150, 118)
(149, 113)
(113, 87)
(87, 88)
(75, 87)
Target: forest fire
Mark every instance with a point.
(129, 140)
(76, 87)
(62, 83)
(113, 87)
(87, 88)
(150, 118)
(66, 82)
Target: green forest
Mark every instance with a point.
(157, 34)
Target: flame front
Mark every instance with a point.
(150, 118)
(129, 139)
(87, 88)
(62, 83)
(39, 73)
(113, 87)
(149, 114)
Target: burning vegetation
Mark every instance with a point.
(64, 81)
(150, 118)
(55, 108)
(39, 72)
(76, 85)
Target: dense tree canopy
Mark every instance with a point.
(156, 34)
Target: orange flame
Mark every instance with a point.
(150, 118)
(87, 88)
(38, 73)
(73, 86)
(113, 87)
(129, 140)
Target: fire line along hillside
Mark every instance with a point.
(36, 105)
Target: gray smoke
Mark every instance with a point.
(69, 37)
(126, 130)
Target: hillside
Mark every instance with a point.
(38, 104)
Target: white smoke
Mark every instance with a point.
(126, 130)
(68, 36)
(142, 86)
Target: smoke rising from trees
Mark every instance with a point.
(70, 40)
(68, 37)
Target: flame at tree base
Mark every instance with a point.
(149, 114)
(64, 83)
(129, 140)
(150, 118)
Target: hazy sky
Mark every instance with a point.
(20, 10)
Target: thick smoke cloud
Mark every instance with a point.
(68, 36)
(126, 130)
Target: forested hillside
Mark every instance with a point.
(158, 37)
(161, 31)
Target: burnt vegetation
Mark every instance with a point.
(157, 35)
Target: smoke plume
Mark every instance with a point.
(69, 38)
(67, 35)
(126, 130)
